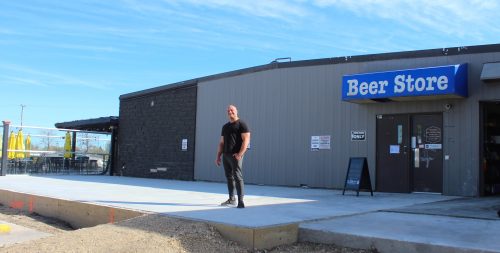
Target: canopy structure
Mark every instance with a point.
(103, 124)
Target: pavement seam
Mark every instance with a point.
(441, 215)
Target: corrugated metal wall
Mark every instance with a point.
(285, 107)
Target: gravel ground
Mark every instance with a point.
(148, 233)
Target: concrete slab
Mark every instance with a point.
(19, 234)
(273, 213)
(401, 232)
(266, 205)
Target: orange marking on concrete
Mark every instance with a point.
(111, 215)
(17, 204)
(31, 204)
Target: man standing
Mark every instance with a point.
(233, 144)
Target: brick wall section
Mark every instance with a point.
(150, 136)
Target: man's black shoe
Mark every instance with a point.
(229, 202)
(241, 204)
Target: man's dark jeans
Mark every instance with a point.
(233, 170)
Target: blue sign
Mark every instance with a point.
(449, 81)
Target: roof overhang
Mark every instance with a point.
(103, 124)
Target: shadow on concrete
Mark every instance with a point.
(476, 208)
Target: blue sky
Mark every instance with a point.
(71, 60)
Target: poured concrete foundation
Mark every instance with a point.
(273, 215)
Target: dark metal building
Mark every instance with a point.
(427, 121)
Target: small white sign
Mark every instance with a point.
(434, 146)
(394, 149)
(320, 142)
(314, 143)
(184, 145)
(324, 142)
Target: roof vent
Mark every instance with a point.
(283, 59)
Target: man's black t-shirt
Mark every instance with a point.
(232, 136)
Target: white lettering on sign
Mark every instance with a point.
(420, 84)
(363, 89)
(399, 85)
(353, 87)
(430, 80)
(358, 135)
(442, 82)
(402, 84)
(352, 181)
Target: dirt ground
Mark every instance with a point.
(149, 233)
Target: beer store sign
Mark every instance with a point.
(449, 81)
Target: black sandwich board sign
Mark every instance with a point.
(358, 176)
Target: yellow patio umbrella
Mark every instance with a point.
(12, 145)
(20, 145)
(28, 145)
(67, 145)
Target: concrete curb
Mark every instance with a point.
(260, 237)
(382, 245)
(77, 214)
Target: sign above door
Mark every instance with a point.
(410, 84)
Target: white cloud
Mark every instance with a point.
(459, 18)
(276, 9)
(25, 75)
(18, 80)
(6, 31)
(88, 48)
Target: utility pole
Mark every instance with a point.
(22, 111)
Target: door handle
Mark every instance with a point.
(416, 157)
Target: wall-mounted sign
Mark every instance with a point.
(394, 149)
(433, 146)
(320, 142)
(324, 142)
(314, 143)
(358, 135)
(448, 80)
(433, 134)
(184, 145)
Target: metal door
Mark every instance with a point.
(393, 153)
(427, 153)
